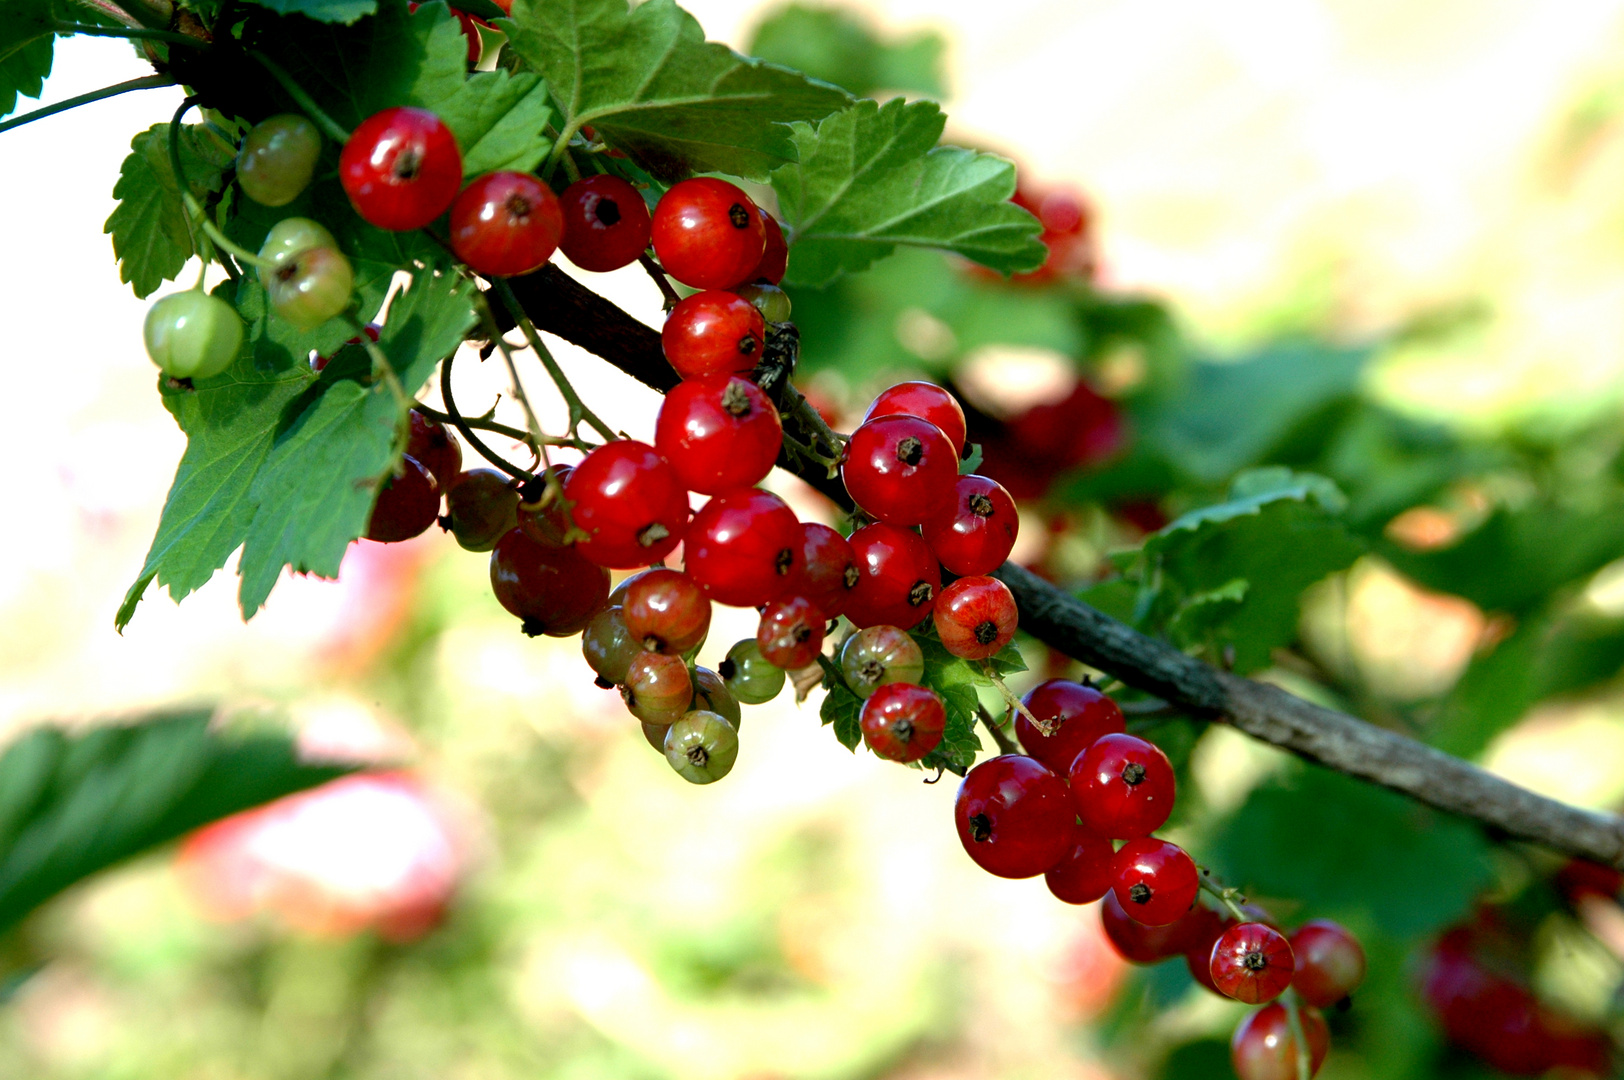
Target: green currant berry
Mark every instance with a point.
(877, 655)
(712, 695)
(748, 675)
(287, 238)
(482, 506)
(192, 335)
(311, 287)
(278, 158)
(770, 300)
(609, 647)
(702, 747)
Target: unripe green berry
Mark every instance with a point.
(278, 159)
(192, 335)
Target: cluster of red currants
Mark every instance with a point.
(1083, 783)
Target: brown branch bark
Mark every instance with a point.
(561, 306)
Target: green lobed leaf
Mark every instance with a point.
(499, 120)
(646, 80)
(152, 235)
(841, 708)
(323, 11)
(873, 177)
(71, 805)
(26, 49)
(955, 681)
(842, 48)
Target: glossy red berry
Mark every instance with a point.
(790, 634)
(719, 432)
(553, 590)
(1252, 962)
(1013, 816)
(1123, 787)
(775, 253)
(505, 224)
(713, 333)
(976, 531)
(1141, 944)
(630, 504)
(1330, 962)
(434, 448)
(708, 234)
(1086, 873)
(828, 569)
(401, 168)
(408, 503)
(1263, 1047)
(744, 547)
(606, 223)
(666, 612)
(975, 617)
(928, 402)
(545, 520)
(901, 469)
(1070, 717)
(899, 578)
(481, 505)
(902, 721)
(1156, 882)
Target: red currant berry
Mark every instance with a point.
(1123, 787)
(606, 223)
(545, 519)
(975, 533)
(719, 432)
(278, 159)
(902, 722)
(666, 612)
(1252, 962)
(482, 506)
(775, 252)
(877, 656)
(1330, 962)
(1212, 926)
(432, 445)
(1070, 717)
(553, 590)
(407, 504)
(708, 234)
(630, 504)
(609, 647)
(1140, 944)
(401, 168)
(744, 547)
(713, 333)
(505, 224)
(901, 469)
(928, 402)
(1263, 1047)
(828, 571)
(658, 688)
(790, 634)
(900, 578)
(1085, 874)
(975, 617)
(1014, 817)
(1156, 882)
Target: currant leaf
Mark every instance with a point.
(324, 11)
(151, 235)
(873, 177)
(499, 121)
(647, 81)
(955, 680)
(26, 49)
(839, 47)
(842, 708)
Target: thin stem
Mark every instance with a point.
(146, 82)
(658, 274)
(131, 32)
(560, 147)
(380, 363)
(333, 129)
(194, 212)
(579, 413)
(220, 239)
(570, 168)
(467, 431)
(1299, 1037)
(537, 438)
(1009, 697)
(1006, 745)
(1229, 897)
(500, 429)
(111, 11)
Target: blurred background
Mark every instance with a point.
(1382, 241)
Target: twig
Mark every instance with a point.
(134, 33)
(579, 413)
(146, 82)
(655, 272)
(516, 434)
(1006, 745)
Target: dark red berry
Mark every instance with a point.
(974, 533)
(1086, 873)
(1213, 925)
(1070, 717)
(928, 402)
(975, 617)
(666, 612)
(902, 721)
(1156, 882)
(505, 224)
(790, 634)
(719, 432)
(407, 504)
(401, 168)
(775, 252)
(1123, 787)
(1013, 816)
(606, 223)
(545, 520)
(829, 570)
(901, 469)
(1141, 944)
(1252, 962)
(1263, 1047)
(899, 578)
(1330, 962)
(713, 333)
(744, 547)
(554, 590)
(708, 234)
(433, 446)
(630, 504)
